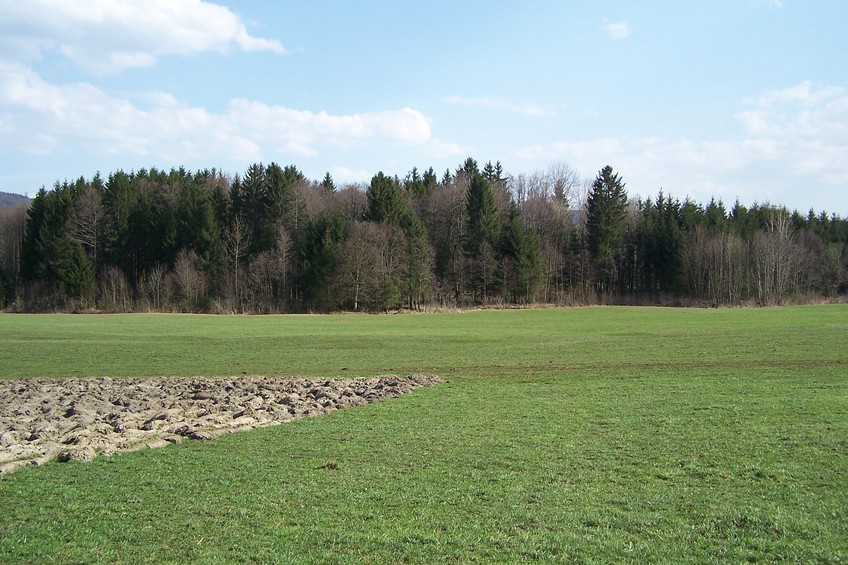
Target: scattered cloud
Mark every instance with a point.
(498, 104)
(105, 36)
(804, 94)
(440, 149)
(809, 126)
(82, 115)
(798, 135)
(680, 167)
(299, 131)
(616, 30)
(802, 112)
(345, 175)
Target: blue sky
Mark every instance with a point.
(742, 99)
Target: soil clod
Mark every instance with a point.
(79, 419)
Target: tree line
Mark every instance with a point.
(271, 240)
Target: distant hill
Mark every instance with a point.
(8, 199)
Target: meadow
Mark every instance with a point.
(599, 434)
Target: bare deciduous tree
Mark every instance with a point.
(87, 221)
(566, 183)
(775, 258)
(236, 241)
(715, 266)
(285, 261)
(156, 288)
(369, 261)
(269, 276)
(446, 225)
(358, 262)
(352, 202)
(115, 293)
(189, 279)
(559, 183)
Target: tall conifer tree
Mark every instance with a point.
(606, 212)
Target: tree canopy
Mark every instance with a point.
(271, 240)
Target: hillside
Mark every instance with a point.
(8, 199)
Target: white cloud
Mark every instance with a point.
(47, 118)
(804, 94)
(107, 36)
(498, 104)
(680, 167)
(616, 30)
(345, 175)
(793, 143)
(802, 111)
(441, 149)
(297, 129)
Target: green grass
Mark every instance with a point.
(589, 435)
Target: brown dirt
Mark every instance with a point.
(79, 419)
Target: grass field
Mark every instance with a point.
(581, 435)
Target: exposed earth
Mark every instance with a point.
(79, 419)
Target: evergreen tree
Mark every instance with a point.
(430, 181)
(154, 225)
(77, 273)
(119, 198)
(482, 233)
(32, 258)
(468, 168)
(386, 204)
(49, 255)
(328, 183)
(606, 212)
(716, 215)
(522, 258)
(385, 201)
(282, 203)
(269, 239)
(248, 197)
(418, 265)
(741, 222)
(318, 259)
(413, 184)
(659, 243)
(489, 172)
(447, 178)
(197, 222)
(481, 213)
(494, 173)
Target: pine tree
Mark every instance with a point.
(482, 233)
(659, 241)
(318, 261)
(430, 181)
(522, 258)
(386, 204)
(447, 178)
(606, 212)
(328, 183)
(49, 254)
(385, 201)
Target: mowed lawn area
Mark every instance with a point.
(598, 434)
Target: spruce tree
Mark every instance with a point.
(385, 201)
(482, 233)
(328, 183)
(606, 212)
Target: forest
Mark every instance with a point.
(272, 241)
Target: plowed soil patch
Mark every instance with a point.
(79, 419)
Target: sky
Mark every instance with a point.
(731, 99)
